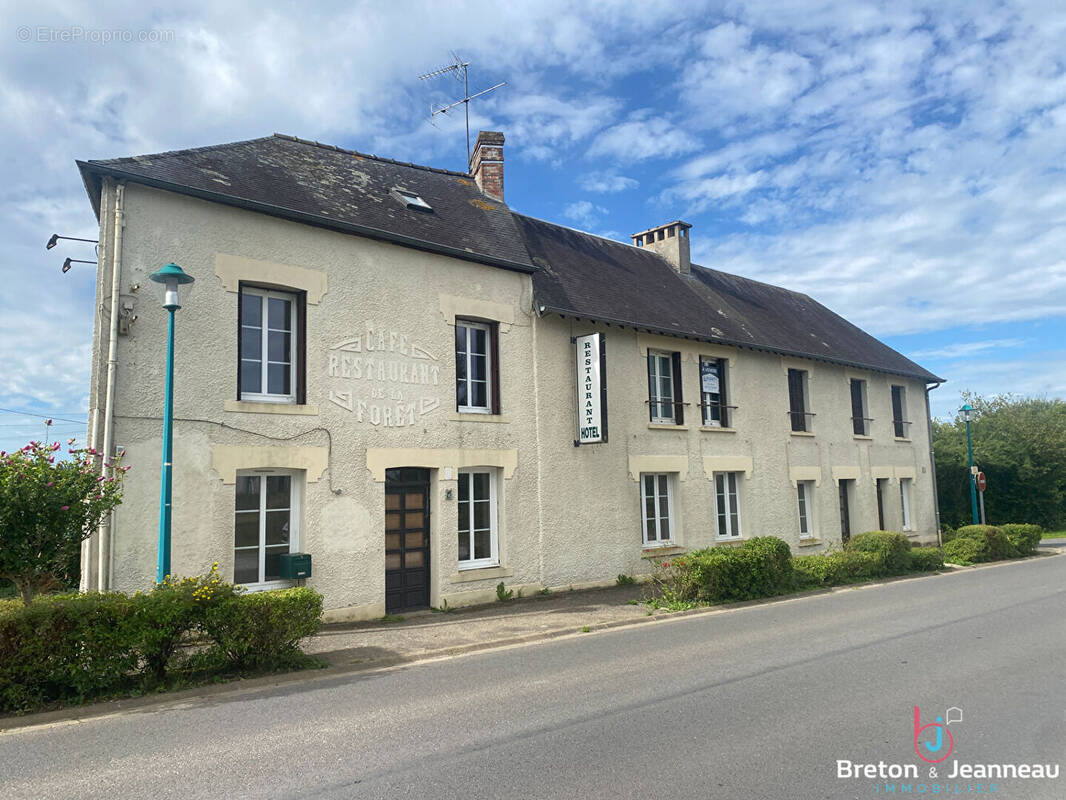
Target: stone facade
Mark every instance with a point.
(381, 393)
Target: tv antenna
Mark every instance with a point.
(459, 68)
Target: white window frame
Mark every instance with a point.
(468, 408)
(805, 509)
(265, 296)
(906, 523)
(656, 400)
(731, 504)
(657, 501)
(723, 400)
(295, 504)
(494, 527)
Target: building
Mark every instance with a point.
(380, 364)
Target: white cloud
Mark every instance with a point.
(643, 136)
(584, 213)
(606, 182)
(965, 349)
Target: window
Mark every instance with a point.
(265, 525)
(881, 483)
(804, 490)
(859, 419)
(905, 502)
(478, 537)
(270, 367)
(845, 510)
(664, 388)
(712, 392)
(899, 402)
(411, 199)
(658, 507)
(797, 400)
(477, 387)
(727, 504)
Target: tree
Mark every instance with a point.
(1020, 444)
(47, 508)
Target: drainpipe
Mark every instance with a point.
(932, 460)
(103, 554)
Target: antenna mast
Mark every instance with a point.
(460, 69)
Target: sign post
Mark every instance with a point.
(982, 484)
(591, 361)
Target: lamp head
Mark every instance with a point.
(171, 276)
(66, 266)
(967, 412)
(52, 242)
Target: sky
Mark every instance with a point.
(902, 163)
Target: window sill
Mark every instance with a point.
(717, 429)
(477, 416)
(729, 539)
(806, 434)
(269, 586)
(666, 426)
(808, 541)
(658, 550)
(267, 407)
(467, 574)
(902, 439)
(862, 436)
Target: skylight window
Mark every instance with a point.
(411, 199)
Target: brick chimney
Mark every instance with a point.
(670, 241)
(486, 164)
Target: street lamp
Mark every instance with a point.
(967, 414)
(171, 276)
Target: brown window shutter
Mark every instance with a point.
(301, 348)
(679, 408)
(240, 330)
(723, 396)
(494, 358)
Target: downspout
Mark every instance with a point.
(103, 554)
(932, 459)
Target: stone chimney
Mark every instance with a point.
(486, 164)
(670, 241)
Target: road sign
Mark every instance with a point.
(982, 482)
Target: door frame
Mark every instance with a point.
(410, 478)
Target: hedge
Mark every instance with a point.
(71, 648)
(893, 549)
(764, 566)
(974, 544)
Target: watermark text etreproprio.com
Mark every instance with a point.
(76, 33)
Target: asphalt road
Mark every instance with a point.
(760, 702)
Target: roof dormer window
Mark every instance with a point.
(411, 199)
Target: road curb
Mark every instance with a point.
(339, 667)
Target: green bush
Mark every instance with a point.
(761, 567)
(995, 539)
(170, 612)
(1022, 539)
(966, 550)
(893, 548)
(926, 559)
(833, 569)
(71, 648)
(264, 630)
(65, 648)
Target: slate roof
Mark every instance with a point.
(573, 273)
(335, 188)
(587, 276)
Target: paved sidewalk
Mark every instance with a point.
(429, 633)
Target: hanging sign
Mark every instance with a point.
(591, 389)
(709, 376)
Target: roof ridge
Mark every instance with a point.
(583, 233)
(204, 148)
(324, 146)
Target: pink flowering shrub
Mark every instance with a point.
(47, 507)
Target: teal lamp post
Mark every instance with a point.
(967, 414)
(171, 276)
